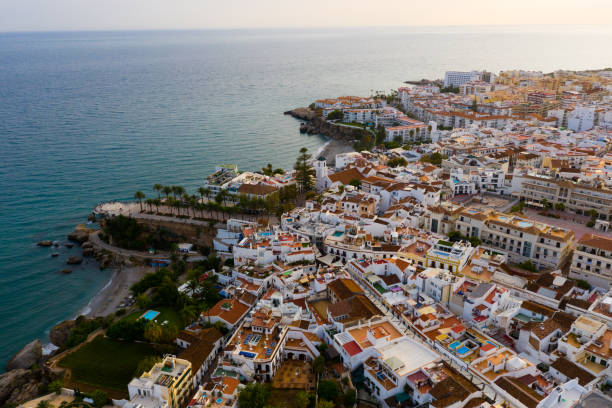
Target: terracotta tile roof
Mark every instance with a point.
(199, 350)
(352, 348)
(572, 370)
(256, 189)
(346, 176)
(344, 288)
(518, 390)
(229, 310)
(596, 241)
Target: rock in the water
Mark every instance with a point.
(87, 245)
(69, 245)
(26, 357)
(89, 252)
(66, 272)
(54, 255)
(45, 243)
(80, 234)
(74, 260)
(60, 333)
(12, 381)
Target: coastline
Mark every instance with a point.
(332, 148)
(116, 291)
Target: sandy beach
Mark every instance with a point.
(115, 292)
(334, 147)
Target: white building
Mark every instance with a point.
(458, 78)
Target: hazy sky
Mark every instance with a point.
(41, 15)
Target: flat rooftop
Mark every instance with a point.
(406, 355)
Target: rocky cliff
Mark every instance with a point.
(314, 124)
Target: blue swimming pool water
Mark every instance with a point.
(150, 315)
(463, 350)
(248, 354)
(455, 344)
(338, 233)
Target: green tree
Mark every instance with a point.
(474, 105)
(328, 390)
(335, 115)
(139, 196)
(302, 399)
(56, 386)
(167, 190)
(397, 162)
(158, 188)
(44, 404)
(99, 398)
(254, 395)
(355, 183)
(325, 404)
(304, 171)
(349, 398)
(145, 365)
(318, 364)
(203, 192)
(560, 207)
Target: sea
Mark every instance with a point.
(87, 117)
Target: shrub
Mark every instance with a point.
(126, 330)
(528, 265)
(335, 115)
(328, 390)
(590, 224)
(99, 398)
(582, 284)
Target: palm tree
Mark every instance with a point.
(149, 202)
(167, 190)
(157, 202)
(139, 195)
(158, 188)
(193, 202)
(43, 404)
(203, 192)
(180, 191)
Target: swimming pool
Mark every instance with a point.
(463, 350)
(150, 315)
(338, 233)
(248, 354)
(219, 400)
(455, 344)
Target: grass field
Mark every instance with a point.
(282, 398)
(106, 363)
(165, 313)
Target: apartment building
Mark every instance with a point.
(592, 260)
(577, 197)
(458, 78)
(519, 238)
(452, 256)
(167, 384)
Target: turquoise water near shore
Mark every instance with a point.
(87, 117)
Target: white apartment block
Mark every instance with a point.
(520, 239)
(592, 261)
(458, 78)
(167, 384)
(579, 198)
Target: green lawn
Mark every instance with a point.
(106, 363)
(165, 313)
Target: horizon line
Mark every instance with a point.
(293, 28)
